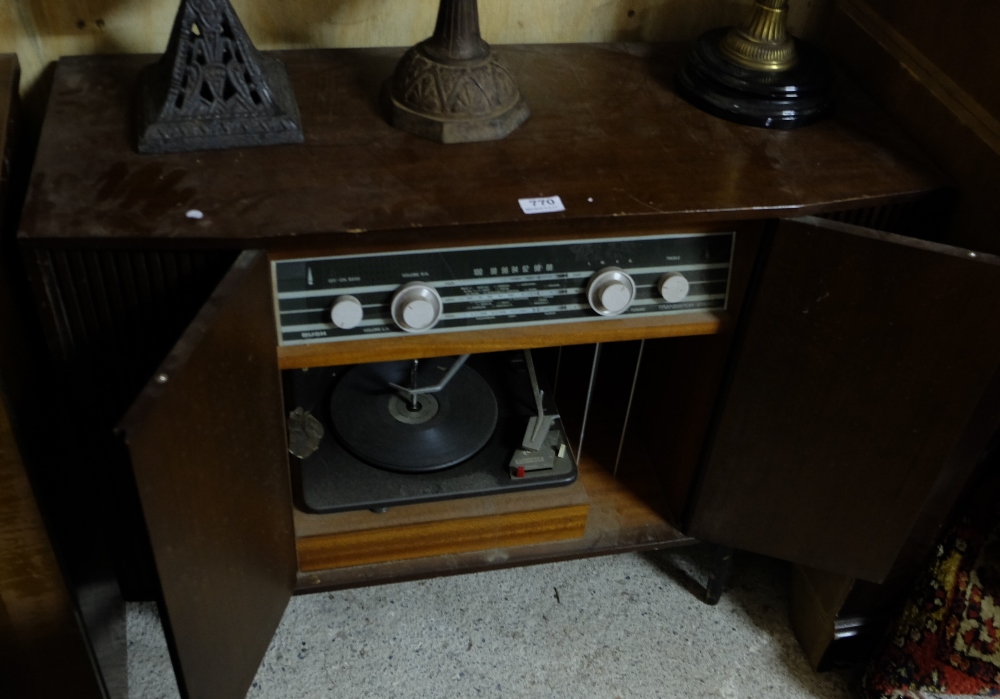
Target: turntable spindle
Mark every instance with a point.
(414, 403)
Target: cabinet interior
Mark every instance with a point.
(627, 497)
(634, 479)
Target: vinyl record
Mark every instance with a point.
(379, 427)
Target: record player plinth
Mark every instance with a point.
(328, 542)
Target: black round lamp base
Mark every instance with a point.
(784, 99)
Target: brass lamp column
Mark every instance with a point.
(762, 41)
(453, 87)
(757, 74)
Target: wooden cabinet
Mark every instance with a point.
(840, 375)
(928, 66)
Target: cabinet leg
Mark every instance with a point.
(722, 567)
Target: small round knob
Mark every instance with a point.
(347, 312)
(674, 287)
(611, 291)
(416, 307)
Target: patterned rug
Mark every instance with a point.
(947, 641)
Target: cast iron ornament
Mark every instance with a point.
(757, 74)
(453, 87)
(212, 88)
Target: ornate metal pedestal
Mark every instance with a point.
(757, 74)
(213, 89)
(453, 87)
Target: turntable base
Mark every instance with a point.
(617, 520)
(372, 461)
(492, 522)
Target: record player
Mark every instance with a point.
(398, 433)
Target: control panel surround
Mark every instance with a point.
(380, 295)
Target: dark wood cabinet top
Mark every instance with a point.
(608, 134)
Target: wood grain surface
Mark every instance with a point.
(478, 341)
(436, 529)
(43, 30)
(950, 109)
(608, 135)
(207, 441)
(619, 520)
(931, 68)
(441, 538)
(310, 524)
(864, 359)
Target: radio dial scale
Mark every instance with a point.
(351, 297)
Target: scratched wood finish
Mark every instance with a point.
(207, 442)
(608, 134)
(865, 357)
(41, 31)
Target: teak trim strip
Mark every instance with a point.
(495, 340)
(439, 538)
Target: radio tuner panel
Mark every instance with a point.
(351, 297)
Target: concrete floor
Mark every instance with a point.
(620, 627)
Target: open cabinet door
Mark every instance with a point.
(863, 358)
(207, 443)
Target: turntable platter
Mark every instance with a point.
(378, 426)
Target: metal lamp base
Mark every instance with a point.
(480, 102)
(454, 88)
(213, 89)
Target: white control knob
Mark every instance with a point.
(674, 287)
(416, 307)
(611, 291)
(347, 312)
